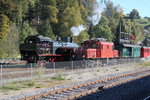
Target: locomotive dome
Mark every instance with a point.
(99, 39)
(37, 39)
(44, 38)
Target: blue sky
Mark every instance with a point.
(143, 6)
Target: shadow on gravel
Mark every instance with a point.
(135, 90)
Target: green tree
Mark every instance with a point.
(53, 11)
(88, 4)
(82, 36)
(26, 30)
(134, 14)
(113, 14)
(7, 8)
(20, 12)
(49, 10)
(46, 30)
(53, 14)
(4, 31)
(3, 52)
(102, 30)
(110, 11)
(84, 12)
(32, 10)
(12, 41)
(4, 26)
(137, 31)
(68, 18)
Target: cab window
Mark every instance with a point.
(94, 46)
(98, 46)
(107, 46)
(31, 41)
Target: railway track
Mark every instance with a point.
(77, 91)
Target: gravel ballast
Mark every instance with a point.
(135, 90)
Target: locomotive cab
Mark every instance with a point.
(34, 46)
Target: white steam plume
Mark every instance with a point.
(76, 30)
(95, 16)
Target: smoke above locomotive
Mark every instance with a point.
(96, 14)
(93, 19)
(77, 30)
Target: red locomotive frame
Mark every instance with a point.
(96, 49)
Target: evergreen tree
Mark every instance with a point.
(46, 30)
(26, 30)
(113, 14)
(134, 14)
(110, 11)
(102, 30)
(32, 11)
(53, 14)
(7, 8)
(49, 10)
(82, 36)
(84, 13)
(21, 11)
(68, 18)
(53, 11)
(4, 26)
(137, 31)
(4, 30)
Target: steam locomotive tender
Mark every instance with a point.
(38, 48)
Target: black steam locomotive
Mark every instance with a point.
(38, 48)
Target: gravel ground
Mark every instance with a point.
(135, 90)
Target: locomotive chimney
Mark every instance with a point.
(58, 38)
(68, 39)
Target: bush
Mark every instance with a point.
(31, 84)
(144, 64)
(58, 77)
(10, 88)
